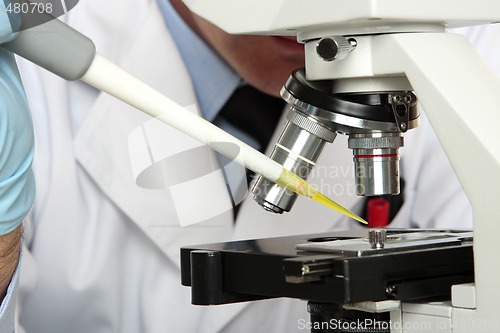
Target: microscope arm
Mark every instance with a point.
(458, 92)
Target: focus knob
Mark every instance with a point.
(334, 48)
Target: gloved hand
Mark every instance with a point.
(17, 185)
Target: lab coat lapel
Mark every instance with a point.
(107, 148)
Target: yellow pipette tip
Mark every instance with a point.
(323, 199)
(298, 185)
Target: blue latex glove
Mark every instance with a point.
(17, 185)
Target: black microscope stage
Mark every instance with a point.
(335, 267)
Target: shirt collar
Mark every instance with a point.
(213, 80)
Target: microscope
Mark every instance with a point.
(367, 62)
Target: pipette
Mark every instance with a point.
(69, 54)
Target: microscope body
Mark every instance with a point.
(394, 50)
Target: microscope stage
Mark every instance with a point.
(336, 267)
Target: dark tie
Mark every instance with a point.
(252, 112)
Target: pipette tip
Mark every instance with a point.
(298, 185)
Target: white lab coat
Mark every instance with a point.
(105, 253)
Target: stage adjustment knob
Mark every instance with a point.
(377, 238)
